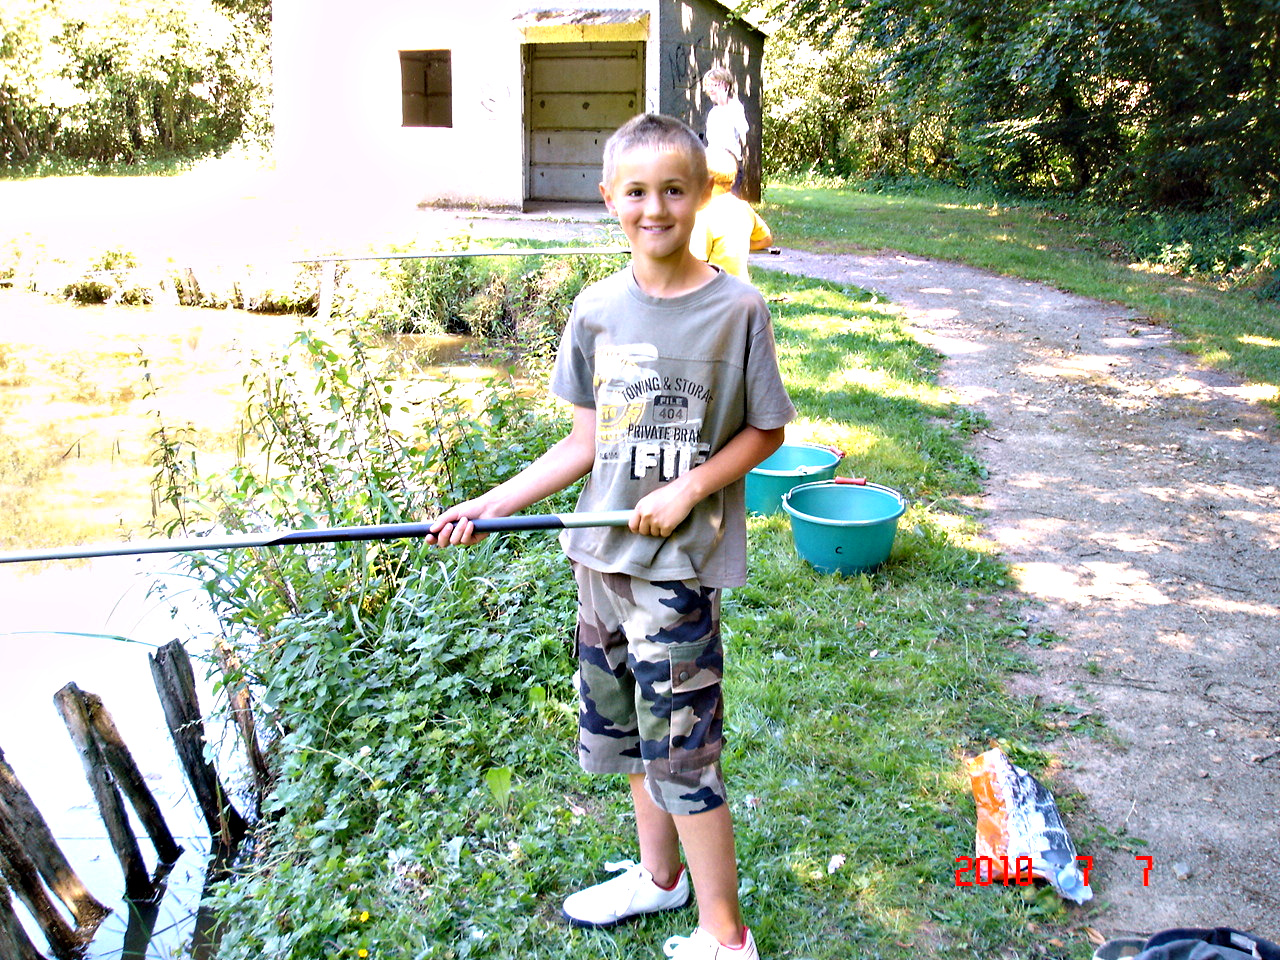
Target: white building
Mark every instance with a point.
(493, 103)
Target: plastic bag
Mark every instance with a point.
(1020, 833)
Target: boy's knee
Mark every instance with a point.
(685, 792)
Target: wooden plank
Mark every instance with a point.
(563, 51)
(583, 147)
(129, 778)
(612, 75)
(71, 704)
(14, 942)
(175, 682)
(19, 874)
(582, 111)
(17, 807)
(566, 182)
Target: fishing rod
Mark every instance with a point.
(280, 538)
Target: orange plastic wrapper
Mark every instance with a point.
(1017, 819)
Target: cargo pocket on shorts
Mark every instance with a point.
(697, 709)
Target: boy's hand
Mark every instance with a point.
(659, 513)
(454, 527)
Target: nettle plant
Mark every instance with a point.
(393, 682)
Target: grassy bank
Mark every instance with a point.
(1225, 325)
(428, 803)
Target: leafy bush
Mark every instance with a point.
(112, 278)
(519, 302)
(381, 670)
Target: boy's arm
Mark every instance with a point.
(569, 460)
(659, 513)
(761, 235)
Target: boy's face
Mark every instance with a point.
(718, 92)
(655, 195)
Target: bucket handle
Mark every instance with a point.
(859, 481)
(805, 471)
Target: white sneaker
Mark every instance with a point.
(701, 945)
(628, 895)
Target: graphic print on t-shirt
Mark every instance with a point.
(650, 423)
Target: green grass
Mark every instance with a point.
(45, 166)
(1226, 328)
(429, 803)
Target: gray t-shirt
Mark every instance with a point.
(672, 380)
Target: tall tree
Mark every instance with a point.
(1172, 100)
(130, 79)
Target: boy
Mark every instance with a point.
(671, 369)
(727, 228)
(727, 124)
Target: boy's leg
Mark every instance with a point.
(609, 742)
(656, 833)
(707, 839)
(676, 657)
(708, 844)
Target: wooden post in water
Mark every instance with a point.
(242, 709)
(129, 778)
(18, 873)
(19, 811)
(70, 701)
(328, 284)
(175, 682)
(14, 942)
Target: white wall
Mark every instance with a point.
(338, 106)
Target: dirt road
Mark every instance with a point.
(1136, 496)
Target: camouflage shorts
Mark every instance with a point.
(649, 669)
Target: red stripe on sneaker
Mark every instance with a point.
(674, 883)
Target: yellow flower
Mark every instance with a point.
(362, 952)
(364, 916)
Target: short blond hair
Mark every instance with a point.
(655, 131)
(722, 166)
(719, 75)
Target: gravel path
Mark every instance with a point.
(1135, 495)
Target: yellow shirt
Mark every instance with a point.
(725, 231)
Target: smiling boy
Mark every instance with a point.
(671, 369)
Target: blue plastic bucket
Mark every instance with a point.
(790, 465)
(843, 526)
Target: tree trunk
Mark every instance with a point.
(11, 125)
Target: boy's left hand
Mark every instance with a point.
(659, 513)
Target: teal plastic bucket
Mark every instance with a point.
(843, 526)
(791, 465)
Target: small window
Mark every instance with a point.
(426, 88)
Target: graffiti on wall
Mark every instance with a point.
(493, 96)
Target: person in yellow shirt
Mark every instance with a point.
(727, 229)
